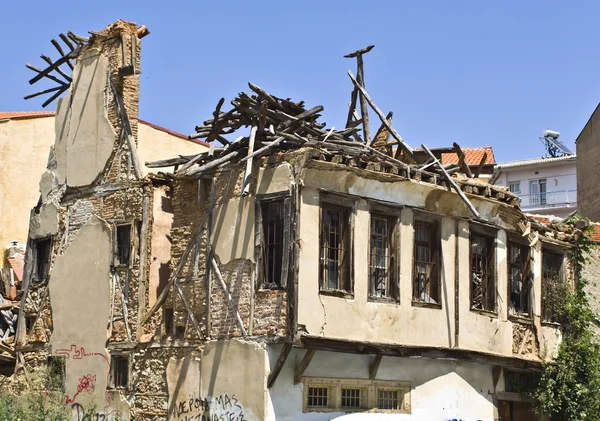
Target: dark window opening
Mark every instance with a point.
(388, 399)
(123, 251)
(483, 270)
(318, 397)
(57, 372)
(29, 322)
(335, 248)
(519, 278)
(168, 321)
(383, 257)
(180, 332)
(119, 371)
(552, 284)
(273, 219)
(426, 285)
(351, 398)
(42, 256)
(519, 381)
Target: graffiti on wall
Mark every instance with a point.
(220, 408)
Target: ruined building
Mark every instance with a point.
(294, 273)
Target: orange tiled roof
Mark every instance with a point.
(24, 114)
(17, 262)
(472, 156)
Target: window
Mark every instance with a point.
(318, 397)
(483, 270)
(552, 284)
(168, 321)
(123, 245)
(273, 239)
(383, 257)
(519, 278)
(57, 372)
(514, 187)
(426, 271)
(335, 248)
(355, 395)
(537, 190)
(119, 371)
(42, 250)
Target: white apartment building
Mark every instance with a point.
(546, 186)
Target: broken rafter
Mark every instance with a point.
(452, 183)
(462, 160)
(481, 164)
(407, 149)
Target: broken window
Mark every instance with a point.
(335, 247)
(383, 257)
(483, 271)
(123, 245)
(57, 372)
(42, 253)
(273, 240)
(552, 284)
(519, 278)
(426, 270)
(119, 371)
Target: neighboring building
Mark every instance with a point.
(25, 139)
(480, 160)
(276, 278)
(588, 177)
(546, 186)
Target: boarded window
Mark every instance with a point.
(552, 284)
(119, 371)
(123, 245)
(42, 255)
(519, 278)
(426, 271)
(273, 233)
(335, 247)
(483, 270)
(383, 257)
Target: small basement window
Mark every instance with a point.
(335, 248)
(123, 245)
(383, 257)
(519, 278)
(318, 397)
(426, 267)
(483, 272)
(42, 250)
(119, 371)
(552, 284)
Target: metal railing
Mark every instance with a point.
(549, 199)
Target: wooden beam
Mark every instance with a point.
(287, 347)
(299, 371)
(359, 52)
(191, 315)
(462, 162)
(352, 105)
(246, 184)
(364, 110)
(229, 297)
(407, 149)
(374, 366)
(480, 166)
(452, 183)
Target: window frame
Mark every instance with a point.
(134, 242)
(526, 275)
(345, 204)
(260, 244)
(436, 221)
(35, 274)
(117, 356)
(393, 216)
(370, 387)
(514, 183)
(491, 236)
(548, 249)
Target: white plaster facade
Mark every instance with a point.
(546, 186)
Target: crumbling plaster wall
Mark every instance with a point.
(405, 324)
(23, 146)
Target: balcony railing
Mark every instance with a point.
(555, 199)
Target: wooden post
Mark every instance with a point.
(246, 184)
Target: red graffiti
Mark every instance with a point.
(78, 354)
(87, 384)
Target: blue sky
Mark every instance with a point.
(476, 72)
